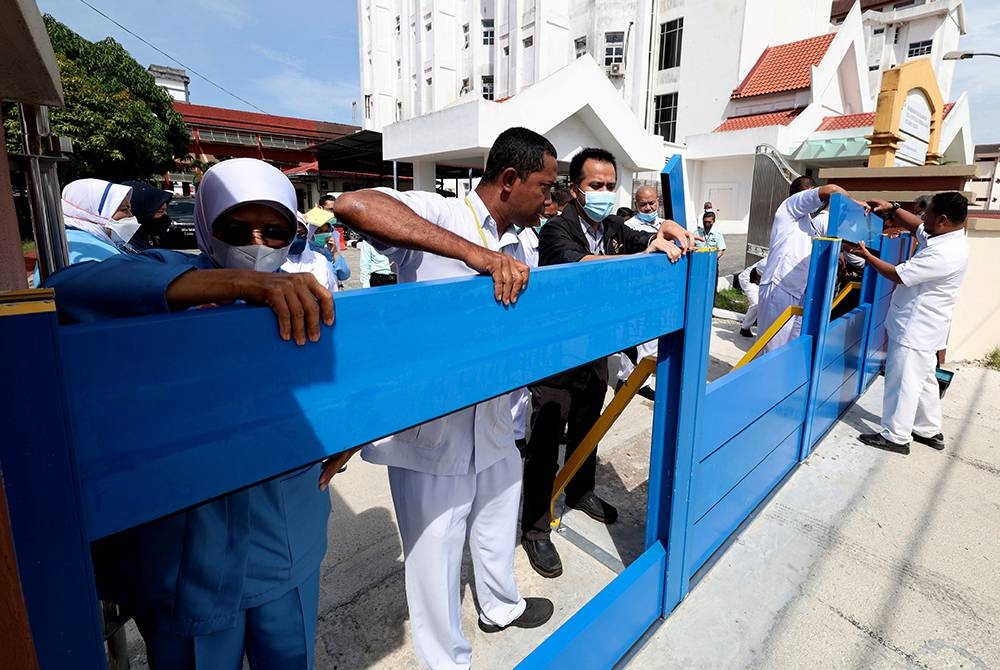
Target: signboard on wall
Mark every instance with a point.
(915, 129)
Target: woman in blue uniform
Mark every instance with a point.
(238, 575)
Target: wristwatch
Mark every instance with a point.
(893, 206)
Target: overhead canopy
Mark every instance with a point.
(575, 107)
(28, 69)
(362, 152)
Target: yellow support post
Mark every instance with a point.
(765, 337)
(643, 370)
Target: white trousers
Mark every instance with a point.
(773, 301)
(911, 402)
(625, 365)
(434, 513)
(752, 292)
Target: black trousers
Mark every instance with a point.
(555, 410)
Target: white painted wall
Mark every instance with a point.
(975, 326)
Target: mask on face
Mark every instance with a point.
(646, 217)
(322, 238)
(123, 229)
(258, 257)
(598, 204)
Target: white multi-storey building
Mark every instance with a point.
(712, 78)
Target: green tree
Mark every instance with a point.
(122, 124)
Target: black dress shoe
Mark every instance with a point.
(647, 393)
(876, 440)
(935, 442)
(543, 557)
(536, 612)
(745, 332)
(595, 508)
(619, 385)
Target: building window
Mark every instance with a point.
(427, 26)
(902, 5)
(397, 25)
(399, 69)
(581, 45)
(465, 36)
(872, 68)
(670, 43)
(506, 50)
(919, 48)
(399, 111)
(878, 31)
(487, 32)
(666, 116)
(488, 86)
(614, 48)
(368, 106)
(528, 41)
(465, 86)
(429, 80)
(897, 32)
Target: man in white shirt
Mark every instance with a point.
(919, 319)
(749, 281)
(460, 472)
(783, 279)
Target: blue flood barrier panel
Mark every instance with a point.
(849, 221)
(43, 499)
(672, 183)
(290, 410)
(600, 633)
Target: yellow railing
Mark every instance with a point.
(643, 370)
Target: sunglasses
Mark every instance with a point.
(240, 234)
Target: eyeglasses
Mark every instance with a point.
(241, 234)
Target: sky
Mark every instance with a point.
(292, 58)
(303, 60)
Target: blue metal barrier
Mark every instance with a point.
(95, 447)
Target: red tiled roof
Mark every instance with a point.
(202, 116)
(782, 118)
(302, 168)
(862, 120)
(784, 67)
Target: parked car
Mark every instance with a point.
(180, 235)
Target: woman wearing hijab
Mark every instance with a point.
(149, 204)
(99, 221)
(238, 575)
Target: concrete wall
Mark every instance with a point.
(726, 182)
(975, 327)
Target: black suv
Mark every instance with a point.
(181, 235)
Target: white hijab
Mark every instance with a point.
(239, 181)
(89, 204)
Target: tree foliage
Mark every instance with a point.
(122, 124)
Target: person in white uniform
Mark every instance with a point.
(522, 244)
(783, 279)
(919, 319)
(462, 472)
(749, 280)
(646, 220)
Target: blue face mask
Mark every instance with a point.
(598, 204)
(646, 217)
(541, 222)
(321, 238)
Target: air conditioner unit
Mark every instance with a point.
(616, 70)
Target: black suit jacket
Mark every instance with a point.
(562, 240)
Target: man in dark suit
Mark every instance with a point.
(571, 401)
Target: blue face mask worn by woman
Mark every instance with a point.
(598, 204)
(646, 217)
(321, 238)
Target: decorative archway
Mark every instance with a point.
(909, 107)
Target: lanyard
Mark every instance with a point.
(479, 226)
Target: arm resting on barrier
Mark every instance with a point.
(390, 221)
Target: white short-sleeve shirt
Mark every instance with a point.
(474, 438)
(792, 234)
(920, 312)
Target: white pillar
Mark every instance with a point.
(424, 173)
(624, 187)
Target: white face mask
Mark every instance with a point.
(258, 257)
(124, 229)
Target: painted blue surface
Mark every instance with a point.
(43, 499)
(694, 371)
(610, 623)
(849, 221)
(672, 181)
(750, 391)
(663, 445)
(712, 530)
(718, 474)
(199, 415)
